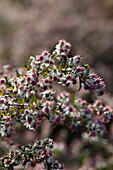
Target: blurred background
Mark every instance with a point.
(29, 26)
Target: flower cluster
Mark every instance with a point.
(29, 98)
(39, 152)
(60, 111)
(62, 48)
(66, 70)
(94, 83)
(5, 126)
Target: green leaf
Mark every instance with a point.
(33, 99)
(63, 63)
(17, 73)
(27, 66)
(7, 82)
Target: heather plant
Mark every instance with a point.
(28, 97)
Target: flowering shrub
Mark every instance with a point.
(40, 152)
(29, 98)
